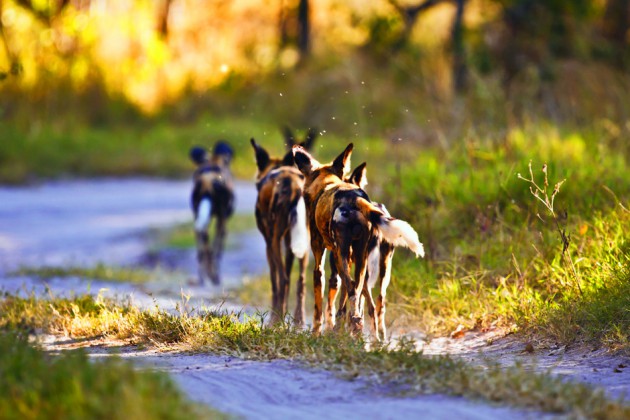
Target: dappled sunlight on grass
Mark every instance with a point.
(495, 254)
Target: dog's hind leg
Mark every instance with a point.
(273, 276)
(288, 255)
(359, 249)
(385, 274)
(367, 298)
(299, 314)
(343, 299)
(319, 253)
(280, 232)
(333, 284)
(218, 244)
(342, 260)
(204, 256)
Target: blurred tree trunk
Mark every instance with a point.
(294, 22)
(163, 13)
(617, 21)
(304, 41)
(44, 15)
(410, 15)
(460, 69)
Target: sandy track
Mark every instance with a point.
(282, 389)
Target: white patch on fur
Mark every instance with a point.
(337, 217)
(299, 231)
(373, 266)
(388, 275)
(203, 215)
(400, 233)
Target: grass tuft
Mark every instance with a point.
(402, 367)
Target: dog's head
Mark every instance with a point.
(212, 175)
(266, 163)
(291, 140)
(312, 169)
(221, 155)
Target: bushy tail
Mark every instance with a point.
(204, 210)
(395, 231)
(288, 202)
(299, 231)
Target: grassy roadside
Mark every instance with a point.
(495, 254)
(99, 271)
(63, 148)
(38, 385)
(412, 373)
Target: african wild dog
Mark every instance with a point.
(281, 217)
(380, 255)
(212, 196)
(342, 219)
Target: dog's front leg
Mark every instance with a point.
(385, 274)
(333, 284)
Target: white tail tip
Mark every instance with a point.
(203, 215)
(400, 233)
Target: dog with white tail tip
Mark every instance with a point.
(281, 218)
(343, 220)
(212, 197)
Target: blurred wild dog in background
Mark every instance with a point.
(281, 218)
(212, 196)
(342, 219)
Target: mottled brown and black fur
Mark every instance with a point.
(380, 255)
(342, 219)
(281, 218)
(212, 198)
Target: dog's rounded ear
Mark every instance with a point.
(341, 164)
(359, 176)
(198, 155)
(223, 149)
(289, 138)
(311, 135)
(288, 159)
(302, 159)
(262, 157)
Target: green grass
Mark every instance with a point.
(98, 272)
(36, 385)
(494, 254)
(45, 149)
(408, 371)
